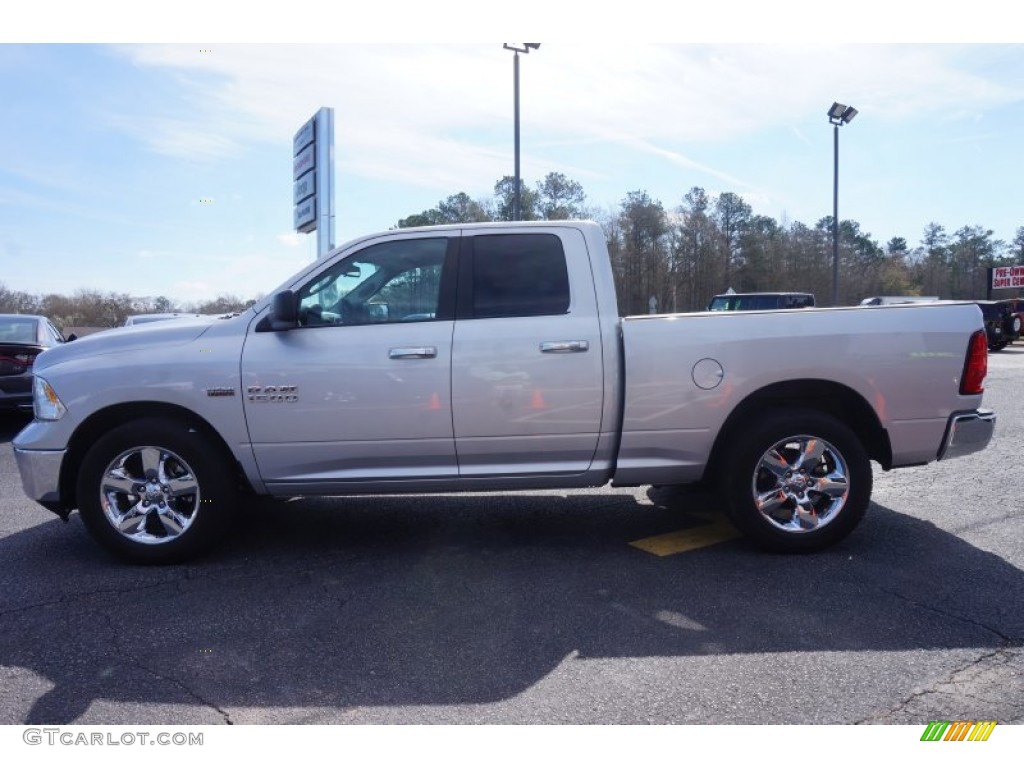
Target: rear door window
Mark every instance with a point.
(516, 275)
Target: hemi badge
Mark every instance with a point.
(221, 392)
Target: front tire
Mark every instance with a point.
(155, 491)
(797, 481)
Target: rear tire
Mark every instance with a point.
(797, 481)
(156, 491)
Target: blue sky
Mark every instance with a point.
(109, 146)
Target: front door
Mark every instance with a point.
(359, 395)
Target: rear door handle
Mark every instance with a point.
(412, 353)
(564, 346)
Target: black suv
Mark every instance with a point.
(998, 323)
(739, 302)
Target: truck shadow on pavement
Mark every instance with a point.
(338, 604)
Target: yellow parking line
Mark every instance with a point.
(686, 539)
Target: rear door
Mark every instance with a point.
(527, 371)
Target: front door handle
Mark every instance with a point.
(564, 346)
(412, 353)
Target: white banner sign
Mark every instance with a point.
(305, 215)
(304, 137)
(304, 162)
(1008, 277)
(305, 187)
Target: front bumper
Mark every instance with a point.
(40, 477)
(967, 433)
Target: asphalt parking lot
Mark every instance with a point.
(601, 606)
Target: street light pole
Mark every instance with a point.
(517, 202)
(838, 114)
(835, 214)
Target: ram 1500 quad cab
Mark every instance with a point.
(492, 357)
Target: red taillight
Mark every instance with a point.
(975, 366)
(16, 364)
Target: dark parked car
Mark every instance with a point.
(998, 322)
(739, 302)
(22, 337)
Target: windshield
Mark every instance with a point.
(19, 331)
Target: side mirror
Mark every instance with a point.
(284, 314)
(72, 337)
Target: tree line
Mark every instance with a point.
(96, 309)
(682, 256)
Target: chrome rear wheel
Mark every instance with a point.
(798, 480)
(801, 484)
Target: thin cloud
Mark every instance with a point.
(16, 198)
(404, 113)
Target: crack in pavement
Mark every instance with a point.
(942, 687)
(185, 576)
(69, 598)
(1007, 639)
(1007, 651)
(160, 676)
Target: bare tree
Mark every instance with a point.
(732, 215)
(644, 226)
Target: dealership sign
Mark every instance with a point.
(1008, 277)
(303, 173)
(313, 178)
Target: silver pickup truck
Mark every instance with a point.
(492, 357)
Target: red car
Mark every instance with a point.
(1016, 324)
(22, 337)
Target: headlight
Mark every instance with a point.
(45, 403)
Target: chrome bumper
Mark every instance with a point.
(40, 477)
(967, 433)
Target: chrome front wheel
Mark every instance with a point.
(156, 490)
(150, 495)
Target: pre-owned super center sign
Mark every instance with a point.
(1008, 277)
